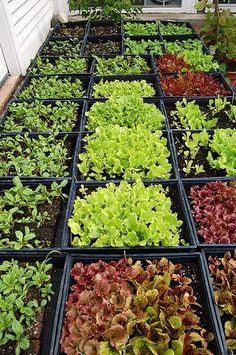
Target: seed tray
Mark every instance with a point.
(56, 30)
(102, 39)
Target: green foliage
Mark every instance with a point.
(173, 28)
(21, 213)
(126, 112)
(121, 65)
(180, 46)
(70, 48)
(39, 117)
(127, 153)
(232, 113)
(19, 311)
(140, 29)
(105, 9)
(41, 156)
(143, 46)
(60, 66)
(125, 215)
(223, 153)
(118, 88)
(52, 87)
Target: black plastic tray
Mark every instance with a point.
(218, 75)
(104, 23)
(74, 138)
(142, 22)
(178, 207)
(216, 252)
(145, 38)
(65, 203)
(52, 59)
(95, 39)
(86, 81)
(188, 24)
(158, 103)
(148, 58)
(204, 296)
(185, 38)
(52, 311)
(187, 184)
(174, 172)
(78, 126)
(56, 30)
(169, 104)
(151, 79)
(73, 40)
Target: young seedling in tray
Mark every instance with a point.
(125, 113)
(205, 154)
(216, 113)
(39, 117)
(44, 156)
(69, 48)
(126, 153)
(171, 28)
(60, 66)
(125, 216)
(29, 216)
(70, 31)
(121, 65)
(102, 47)
(140, 29)
(143, 46)
(101, 30)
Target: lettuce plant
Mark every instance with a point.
(39, 117)
(179, 47)
(60, 66)
(118, 88)
(143, 47)
(53, 87)
(125, 215)
(41, 156)
(125, 112)
(119, 65)
(26, 211)
(127, 153)
(222, 155)
(172, 63)
(70, 48)
(26, 289)
(223, 275)
(193, 84)
(172, 28)
(213, 206)
(125, 307)
(140, 29)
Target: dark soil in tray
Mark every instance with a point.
(223, 120)
(104, 30)
(65, 31)
(100, 48)
(201, 159)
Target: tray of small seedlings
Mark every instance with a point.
(61, 65)
(30, 289)
(212, 209)
(54, 87)
(104, 45)
(33, 214)
(44, 116)
(70, 29)
(220, 267)
(104, 28)
(176, 29)
(70, 47)
(158, 303)
(140, 28)
(139, 45)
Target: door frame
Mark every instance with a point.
(187, 7)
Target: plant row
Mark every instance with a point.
(154, 303)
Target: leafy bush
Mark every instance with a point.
(125, 215)
(121, 65)
(145, 309)
(42, 156)
(60, 66)
(172, 28)
(129, 153)
(193, 84)
(53, 87)
(24, 211)
(70, 48)
(143, 46)
(140, 29)
(222, 154)
(118, 88)
(39, 117)
(125, 112)
(214, 211)
(223, 274)
(26, 289)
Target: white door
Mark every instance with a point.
(168, 6)
(3, 67)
